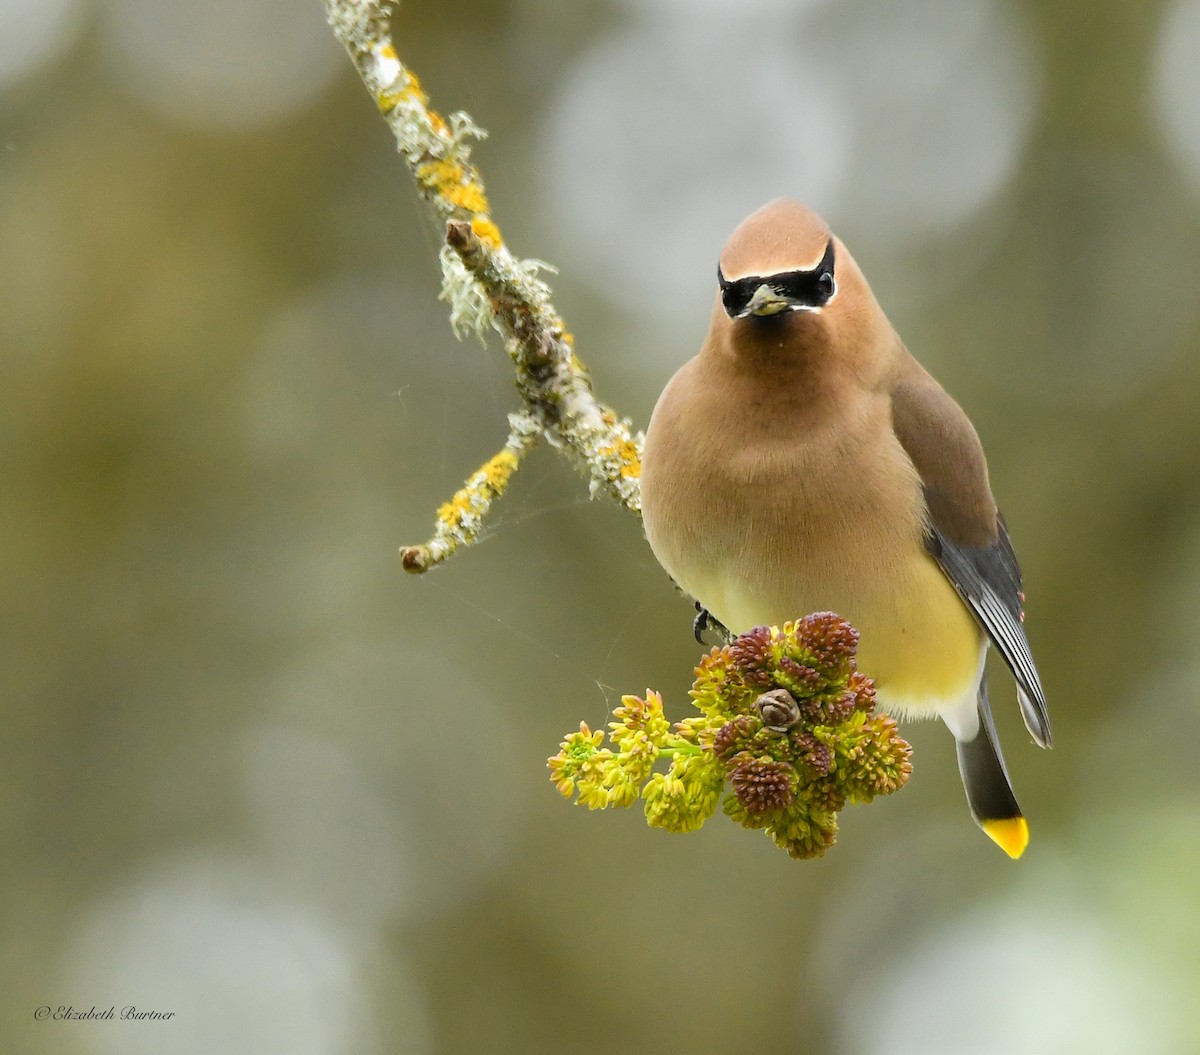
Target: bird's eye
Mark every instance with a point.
(825, 285)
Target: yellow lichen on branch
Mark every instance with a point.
(488, 288)
(435, 147)
(459, 521)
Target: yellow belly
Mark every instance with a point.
(918, 641)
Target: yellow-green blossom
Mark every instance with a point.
(787, 732)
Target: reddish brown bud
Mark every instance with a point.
(864, 692)
(414, 559)
(731, 735)
(832, 640)
(803, 677)
(838, 708)
(762, 785)
(812, 753)
(749, 651)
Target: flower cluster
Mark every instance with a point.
(787, 733)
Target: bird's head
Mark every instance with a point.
(780, 259)
(791, 296)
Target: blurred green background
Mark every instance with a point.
(255, 775)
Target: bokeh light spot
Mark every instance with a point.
(243, 969)
(1178, 84)
(33, 33)
(674, 127)
(224, 65)
(1034, 979)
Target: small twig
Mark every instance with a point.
(459, 521)
(486, 286)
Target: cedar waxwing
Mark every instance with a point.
(803, 461)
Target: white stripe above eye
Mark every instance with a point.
(766, 276)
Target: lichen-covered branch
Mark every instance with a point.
(459, 520)
(486, 286)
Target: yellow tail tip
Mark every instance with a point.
(1011, 834)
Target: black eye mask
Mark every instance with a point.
(800, 290)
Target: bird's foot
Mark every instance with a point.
(705, 621)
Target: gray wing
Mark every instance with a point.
(966, 534)
(989, 581)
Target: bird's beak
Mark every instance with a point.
(768, 300)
